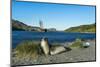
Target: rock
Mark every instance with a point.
(86, 44)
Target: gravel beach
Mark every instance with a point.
(75, 55)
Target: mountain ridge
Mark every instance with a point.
(83, 28)
(20, 26)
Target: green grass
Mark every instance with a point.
(29, 49)
(83, 28)
(76, 44)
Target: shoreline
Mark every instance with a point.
(53, 31)
(75, 55)
(62, 43)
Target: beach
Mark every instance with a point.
(74, 55)
(54, 35)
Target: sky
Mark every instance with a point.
(59, 16)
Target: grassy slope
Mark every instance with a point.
(82, 28)
(29, 49)
(20, 26)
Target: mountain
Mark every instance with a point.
(20, 26)
(83, 28)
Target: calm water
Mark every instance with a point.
(19, 36)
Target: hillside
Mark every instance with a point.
(82, 28)
(20, 26)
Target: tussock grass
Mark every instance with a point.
(28, 49)
(77, 44)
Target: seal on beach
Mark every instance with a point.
(57, 50)
(53, 49)
(45, 46)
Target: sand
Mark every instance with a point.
(75, 55)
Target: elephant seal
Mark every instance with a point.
(45, 46)
(57, 50)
